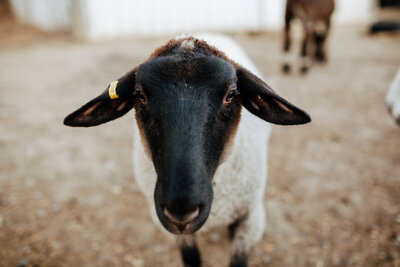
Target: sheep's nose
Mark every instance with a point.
(180, 217)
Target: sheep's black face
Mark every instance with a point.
(187, 112)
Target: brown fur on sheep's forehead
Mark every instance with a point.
(189, 45)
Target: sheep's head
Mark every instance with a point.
(188, 98)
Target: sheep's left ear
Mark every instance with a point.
(112, 103)
(262, 101)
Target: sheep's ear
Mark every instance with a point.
(112, 103)
(262, 101)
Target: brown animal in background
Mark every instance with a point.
(315, 17)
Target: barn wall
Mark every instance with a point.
(154, 17)
(48, 15)
(354, 11)
(97, 19)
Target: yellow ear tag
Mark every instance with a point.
(112, 90)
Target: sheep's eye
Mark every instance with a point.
(230, 95)
(141, 96)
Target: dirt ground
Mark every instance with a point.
(67, 196)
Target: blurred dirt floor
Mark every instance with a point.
(68, 198)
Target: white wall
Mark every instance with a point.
(272, 14)
(353, 11)
(49, 15)
(97, 19)
(153, 17)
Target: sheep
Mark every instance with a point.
(199, 158)
(315, 17)
(393, 98)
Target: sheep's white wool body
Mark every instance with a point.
(393, 97)
(239, 182)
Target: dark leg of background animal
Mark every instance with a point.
(189, 251)
(319, 49)
(305, 51)
(303, 55)
(286, 43)
(320, 36)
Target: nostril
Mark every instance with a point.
(182, 218)
(192, 215)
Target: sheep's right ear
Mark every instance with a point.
(114, 102)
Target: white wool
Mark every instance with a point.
(393, 97)
(187, 45)
(239, 182)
